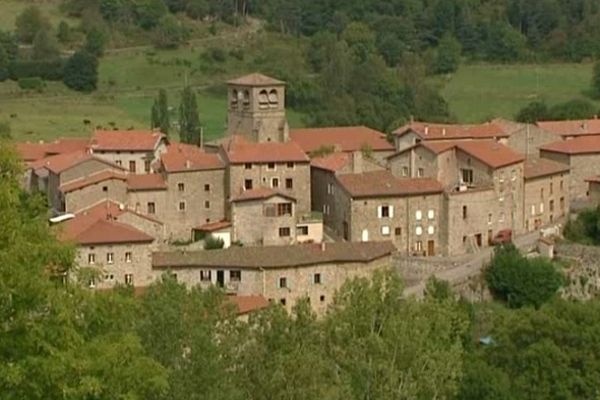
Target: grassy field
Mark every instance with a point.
(480, 92)
(11, 8)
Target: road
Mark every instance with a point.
(472, 267)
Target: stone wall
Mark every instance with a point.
(546, 200)
(253, 228)
(110, 189)
(528, 140)
(123, 158)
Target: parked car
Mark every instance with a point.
(502, 237)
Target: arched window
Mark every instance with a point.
(273, 98)
(246, 98)
(263, 99)
(234, 98)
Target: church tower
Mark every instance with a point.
(256, 108)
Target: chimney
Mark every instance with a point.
(443, 131)
(426, 129)
(323, 246)
(188, 164)
(357, 162)
(584, 126)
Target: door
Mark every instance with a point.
(490, 237)
(365, 235)
(220, 278)
(431, 248)
(346, 231)
(478, 239)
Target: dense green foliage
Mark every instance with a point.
(586, 228)
(521, 281)
(81, 72)
(213, 243)
(572, 109)
(160, 113)
(189, 120)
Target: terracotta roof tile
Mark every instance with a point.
(146, 182)
(181, 157)
(275, 256)
(68, 145)
(214, 226)
(125, 140)
(36, 151)
(593, 179)
(429, 131)
(491, 153)
(332, 162)
(248, 304)
(62, 162)
(538, 167)
(578, 145)
(572, 127)
(259, 193)
(91, 180)
(240, 151)
(384, 184)
(351, 138)
(255, 79)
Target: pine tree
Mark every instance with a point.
(189, 121)
(163, 112)
(154, 116)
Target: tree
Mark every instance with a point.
(360, 39)
(520, 281)
(29, 23)
(596, 80)
(197, 9)
(160, 113)
(64, 34)
(81, 72)
(447, 56)
(169, 34)
(4, 131)
(533, 112)
(213, 243)
(149, 12)
(45, 46)
(4, 63)
(189, 121)
(95, 41)
(573, 109)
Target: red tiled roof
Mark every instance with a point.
(62, 162)
(350, 138)
(32, 151)
(240, 151)
(491, 153)
(255, 79)
(259, 193)
(538, 167)
(146, 182)
(384, 184)
(572, 127)
(428, 131)
(181, 157)
(68, 145)
(332, 162)
(91, 180)
(214, 226)
(248, 304)
(593, 179)
(125, 140)
(438, 147)
(578, 145)
(36, 151)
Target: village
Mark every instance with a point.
(273, 214)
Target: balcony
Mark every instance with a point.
(311, 217)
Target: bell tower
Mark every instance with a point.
(256, 108)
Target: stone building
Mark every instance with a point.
(572, 129)
(104, 185)
(581, 155)
(527, 138)
(594, 190)
(546, 192)
(282, 274)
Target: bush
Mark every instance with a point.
(213, 243)
(49, 70)
(81, 72)
(217, 54)
(520, 281)
(34, 83)
(586, 228)
(533, 112)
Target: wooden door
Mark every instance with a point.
(431, 248)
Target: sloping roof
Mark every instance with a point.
(259, 193)
(91, 180)
(62, 162)
(36, 151)
(593, 179)
(240, 151)
(214, 226)
(429, 131)
(538, 167)
(137, 182)
(350, 138)
(125, 140)
(255, 79)
(275, 256)
(181, 157)
(384, 184)
(332, 162)
(572, 127)
(578, 145)
(248, 304)
(32, 151)
(491, 153)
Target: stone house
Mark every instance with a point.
(104, 185)
(582, 155)
(571, 129)
(135, 151)
(594, 190)
(282, 274)
(527, 138)
(546, 192)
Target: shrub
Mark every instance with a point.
(34, 83)
(81, 72)
(213, 243)
(217, 54)
(49, 70)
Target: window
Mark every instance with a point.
(420, 172)
(248, 166)
(132, 166)
(419, 230)
(419, 246)
(205, 275)
(91, 258)
(385, 212)
(129, 279)
(551, 205)
(274, 182)
(263, 99)
(562, 204)
(273, 98)
(561, 185)
(235, 275)
(533, 209)
(464, 212)
(234, 98)
(385, 230)
(418, 215)
(330, 188)
(271, 165)
(326, 209)
(430, 229)
(109, 258)
(513, 175)
(283, 282)
(431, 214)
(147, 166)
(151, 208)
(317, 279)
(181, 206)
(398, 231)
(119, 162)
(248, 184)
(128, 257)
(322, 298)
(180, 187)
(289, 183)
(290, 165)
(302, 230)
(284, 209)
(467, 176)
(105, 188)
(542, 193)
(207, 187)
(206, 204)
(284, 231)
(282, 301)
(551, 188)
(501, 217)
(270, 210)
(404, 171)
(490, 218)
(541, 208)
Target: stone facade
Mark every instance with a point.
(137, 162)
(111, 189)
(528, 138)
(594, 192)
(583, 166)
(546, 200)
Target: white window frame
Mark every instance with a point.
(431, 230)
(385, 230)
(418, 215)
(128, 256)
(431, 214)
(110, 258)
(418, 231)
